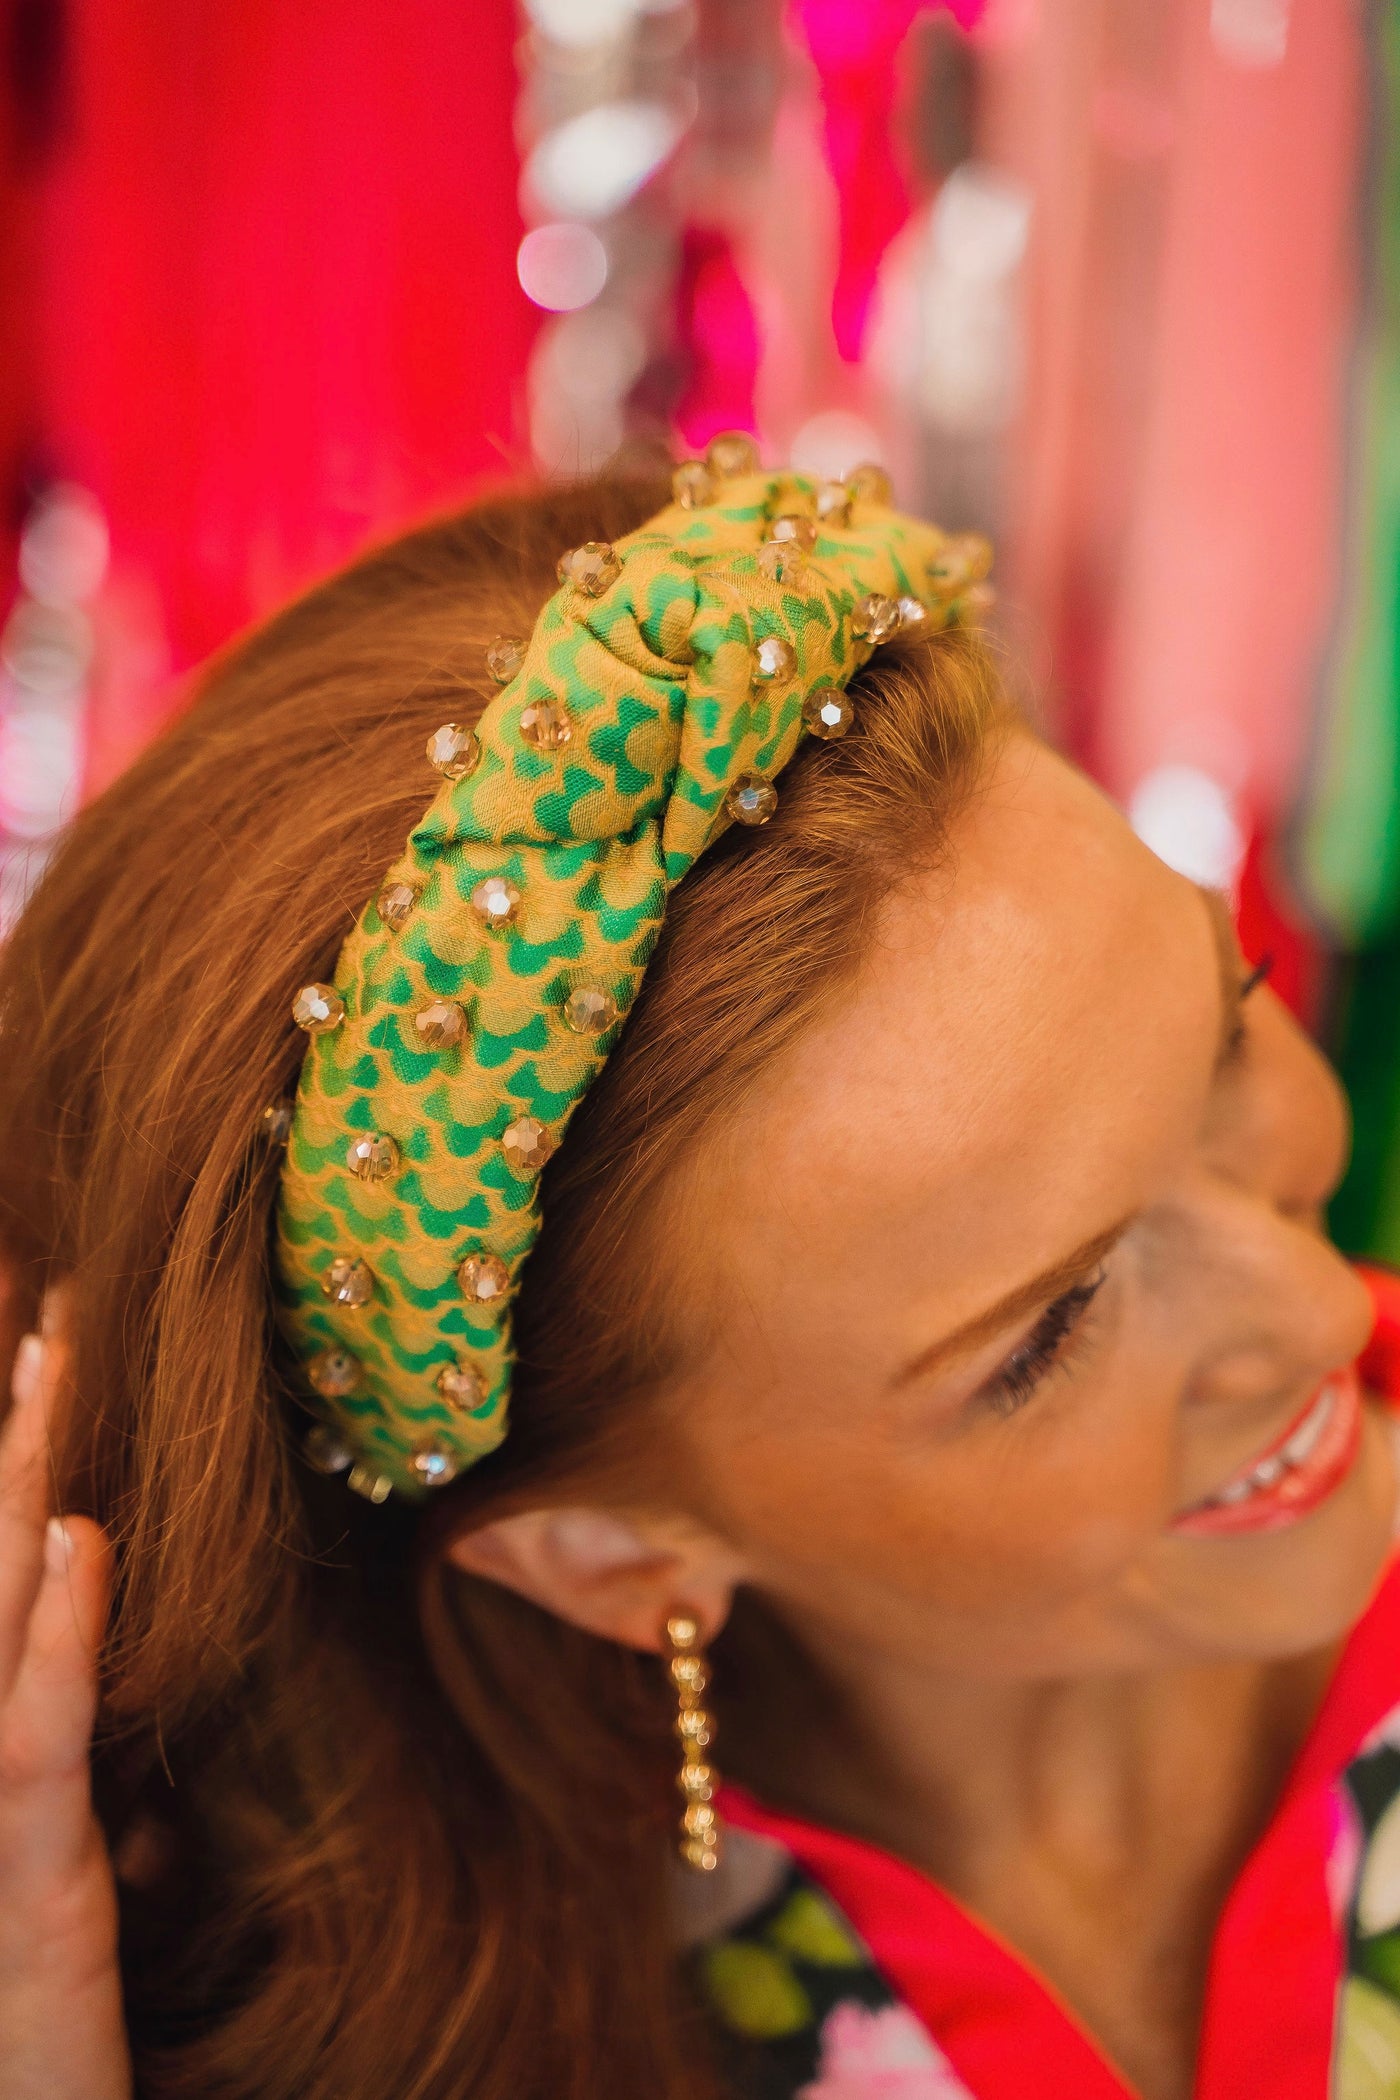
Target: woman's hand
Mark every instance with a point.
(61, 2031)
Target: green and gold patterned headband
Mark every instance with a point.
(666, 685)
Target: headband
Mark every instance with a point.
(667, 683)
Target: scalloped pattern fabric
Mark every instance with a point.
(658, 678)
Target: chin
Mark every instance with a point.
(1304, 1585)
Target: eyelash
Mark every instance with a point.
(1262, 970)
(1044, 1347)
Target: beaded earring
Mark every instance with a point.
(700, 1829)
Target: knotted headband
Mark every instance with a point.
(666, 685)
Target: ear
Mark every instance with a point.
(617, 1575)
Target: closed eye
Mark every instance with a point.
(1046, 1346)
(1261, 972)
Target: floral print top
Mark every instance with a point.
(837, 1972)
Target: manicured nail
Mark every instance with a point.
(26, 1376)
(58, 1546)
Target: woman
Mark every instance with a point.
(931, 1313)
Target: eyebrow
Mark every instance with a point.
(1051, 1283)
(1040, 1290)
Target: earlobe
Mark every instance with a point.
(612, 1575)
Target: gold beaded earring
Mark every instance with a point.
(699, 1839)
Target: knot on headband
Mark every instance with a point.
(666, 685)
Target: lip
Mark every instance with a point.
(1299, 1470)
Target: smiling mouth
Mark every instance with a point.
(1299, 1469)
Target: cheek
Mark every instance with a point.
(1022, 1514)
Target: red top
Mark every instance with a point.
(1280, 1948)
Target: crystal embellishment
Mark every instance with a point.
(528, 1144)
(774, 661)
(828, 712)
(783, 561)
(592, 568)
(349, 1281)
(324, 1451)
(732, 453)
(912, 612)
(375, 1487)
(442, 1025)
(589, 1010)
(793, 527)
(334, 1373)
(461, 1386)
(371, 1156)
(870, 483)
(484, 1279)
(277, 1123)
(505, 657)
(434, 1465)
(394, 904)
(318, 1008)
(546, 724)
(751, 800)
(833, 503)
(454, 750)
(964, 558)
(693, 485)
(875, 619)
(496, 901)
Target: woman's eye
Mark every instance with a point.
(1044, 1347)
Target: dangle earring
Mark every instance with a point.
(699, 1840)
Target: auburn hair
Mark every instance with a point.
(400, 1835)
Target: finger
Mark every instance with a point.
(47, 1720)
(24, 1503)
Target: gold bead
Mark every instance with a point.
(689, 1674)
(828, 712)
(394, 904)
(589, 1010)
(592, 568)
(693, 1725)
(699, 1817)
(875, 619)
(696, 1780)
(528, 1145)
(441, 1025)
(505, 658)
(371, 1156)
(349, 1281)
(318, 1008)
(461, 1386)
(870, 483)
(454, 751)
(693, 485)
(276, 1122)
(434, 1464)
(696, 1853)
(751, 800)
(682, 1631)
(334, 1373)
(496, 901)
(732, 453)
(484, 1279)
(373, 1486)
(324, 1451)
(546, 724)
(774, 661)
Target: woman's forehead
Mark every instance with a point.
(1030, 1036)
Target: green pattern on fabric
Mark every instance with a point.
(658, 678)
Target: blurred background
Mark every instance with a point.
(1117, 281)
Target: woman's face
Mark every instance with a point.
(1015, 1271)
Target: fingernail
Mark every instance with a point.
(28, 1370)
(58, 1546)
